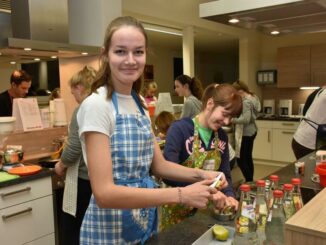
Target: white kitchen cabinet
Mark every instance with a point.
(263, 141)
(273, 141)
(26, 212)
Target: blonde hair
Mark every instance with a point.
(84, 77)
(147, 86)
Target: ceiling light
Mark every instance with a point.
(27, 49)
(53, 57)
(13, 62)
(162, 29)
(275, 32)
(84, 53)
(233, 20)
(37, 59)
(306, 88)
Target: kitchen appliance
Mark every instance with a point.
(285, 108)
(269, 107)
(300, 110)
(11, 156)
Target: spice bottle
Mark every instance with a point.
(245, 220)
(273, 186)
(276, 221)
(261, 210)
(288, 204)
(297, 198)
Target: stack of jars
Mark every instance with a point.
(260, 219)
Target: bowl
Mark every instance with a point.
(223, 215)
(7, 124)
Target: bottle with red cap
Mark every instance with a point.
(261, 210)
(297, 197)
(276, 221)
(273, 186)
(288, 204)
(245, 220)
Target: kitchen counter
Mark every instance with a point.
(43, 173)
(279, 118)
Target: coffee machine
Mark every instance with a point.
(269, 107)
(285, 108)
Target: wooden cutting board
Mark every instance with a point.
(308, 225)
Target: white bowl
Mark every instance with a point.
(7, 124)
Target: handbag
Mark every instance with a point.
(320, 133)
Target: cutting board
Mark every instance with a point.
(308, 225)
(4, 176)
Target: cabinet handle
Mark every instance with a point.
(287, 132)
(8, 216)
(288, 124)
(3, 195)
(269, 136)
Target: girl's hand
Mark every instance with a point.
(198, 194)
(232, 202)
(205, 174)
(219, 200)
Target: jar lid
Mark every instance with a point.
(278, 193)
(274, 177)
(260, 183)
(296, 181)
(287, 187)
(245, 187)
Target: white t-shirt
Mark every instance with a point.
(97, 114)
(306, 134)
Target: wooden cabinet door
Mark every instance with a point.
(293, 67)
(318, 65)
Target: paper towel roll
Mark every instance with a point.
(60, 117)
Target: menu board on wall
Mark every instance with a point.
(27, 114)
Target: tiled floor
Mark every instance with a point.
(261, 171)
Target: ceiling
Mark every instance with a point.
(294, 16)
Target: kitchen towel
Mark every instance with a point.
(69, 203)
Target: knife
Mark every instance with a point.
(216, 180)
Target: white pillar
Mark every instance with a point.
(188, 51)
(88, 20)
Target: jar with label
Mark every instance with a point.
(288, 204)
(274, 179)
(245, 220)
(261, 210)
(297, 197)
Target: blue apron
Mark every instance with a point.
(132, 154)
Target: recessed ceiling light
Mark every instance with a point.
(84, 53)
(13, 62)
(275, 32)
(0, 53)
(37, 59)
(233, 20)
(53, 57)
(27, 49)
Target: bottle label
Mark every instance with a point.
(248, 211)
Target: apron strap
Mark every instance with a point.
(134, 96)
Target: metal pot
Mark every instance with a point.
(11, 156)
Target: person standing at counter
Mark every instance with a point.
(150, 89)
(77, 191)
(246, 130)
(201, 143)
(20, 82)
(120, 148)
(192, 89)
(312, 128)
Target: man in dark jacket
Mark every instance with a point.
(20, 83)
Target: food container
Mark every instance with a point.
(7, 125)
(321, 170)
(320, 157)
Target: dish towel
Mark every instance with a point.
(69, 204)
